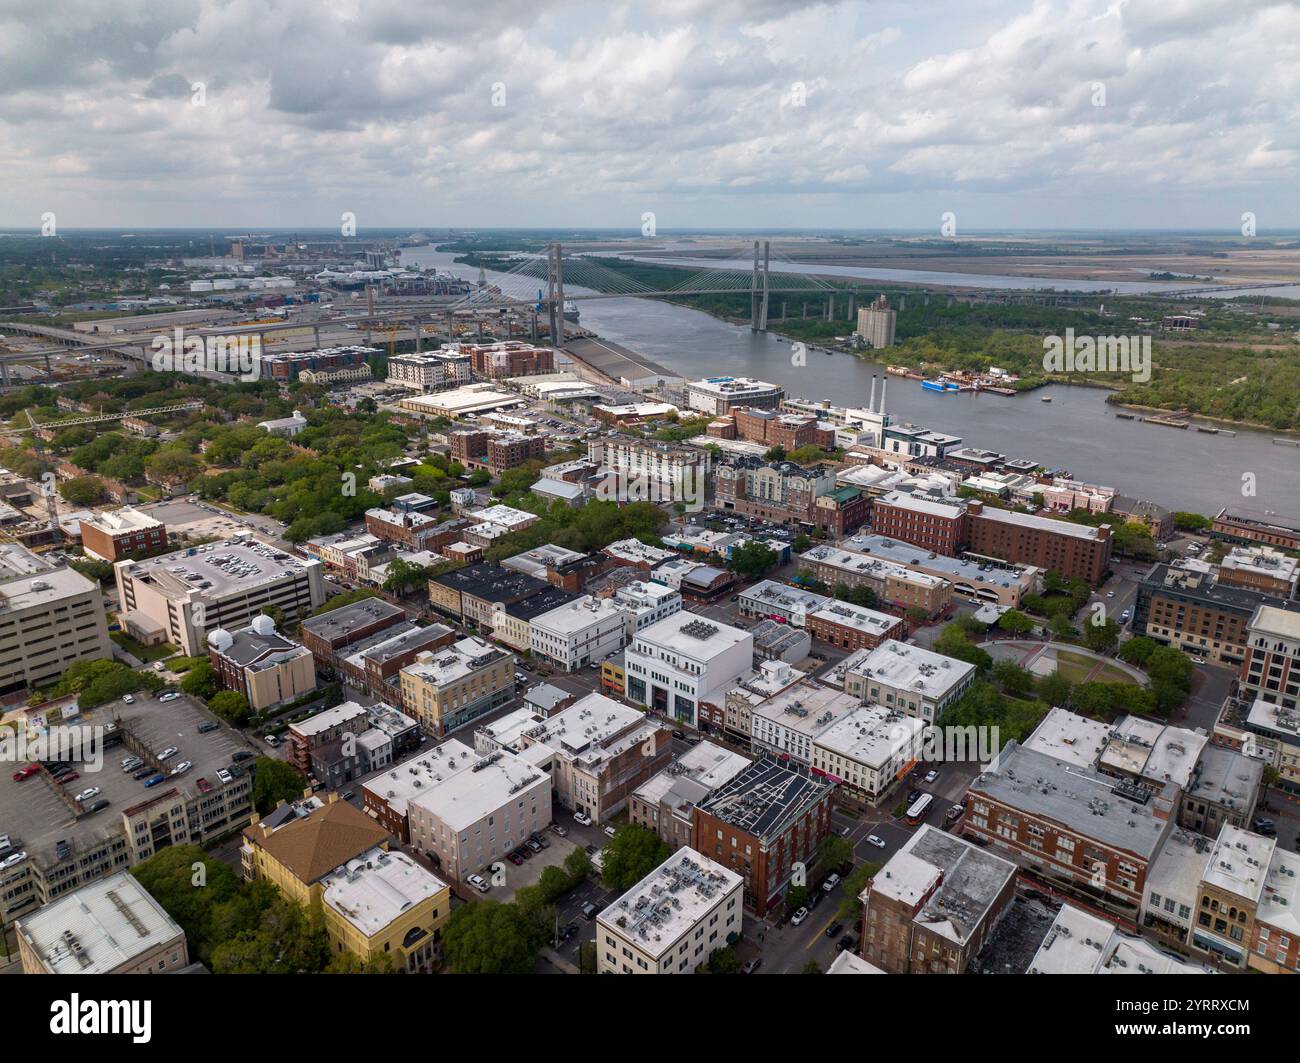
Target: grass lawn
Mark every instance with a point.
(1076, 666)
(139, 650)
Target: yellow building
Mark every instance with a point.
(298, 845)
(613, 677)
(448, 688)
(383, 906)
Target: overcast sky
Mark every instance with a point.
(717, 113)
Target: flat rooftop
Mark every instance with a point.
(952, 568)
(455, 661)
(870, 734)
(112, 920)
(1225, 777)
(398, 784)
(479, 788)
(1239, 862)
(764, 798)
(873, 567)
(1043, 524)
(807, 708)
(860, 617)
(906, 667)
(705, 765)
(577, 615)
(374, 890)
(955, 881)
(692, 636)
(1070, 737)
(663, 907)
(218, 568)
(782, 596)
(1270, 620)
(1086, 803)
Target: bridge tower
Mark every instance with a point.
(760, 288)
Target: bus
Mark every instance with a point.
(917, 812)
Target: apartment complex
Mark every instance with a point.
(189, 593)
(888, 581)
(1073, 550)
(474, 809)
(426, 371)
(760, 824)
(660, 471)
(579, 633)
(113, 536)
(779, 491)
(50, 618)
(673, 920)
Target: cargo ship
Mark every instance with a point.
(939, 385)
(570, 310)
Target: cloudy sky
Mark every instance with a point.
(754, 113)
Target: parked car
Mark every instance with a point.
(13, 859)
(532, 846)
(799, 916)
(848, 941)
(154, 780)
(875, 840)
(516, 858)
(243, 754)
(96, 806)
(272, 740)
(479, 883)
(168, 753)
(560, 829)
(142, 772)
(182, 767)
(26, 772)
(931, 775)
(834, 929)
(71, 776)
(540, 840)
(171, 695)
(128, 699)
(225, 776)
(86, 795)
(1265, 827)
(589, 911)
(610, 832)
(752, 965)
(832, 880)
(131, 763)
(582, 818)
(204, 786)
(209, 726)
(159, 667)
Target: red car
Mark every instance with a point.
(26, 772)
(72, 776)
(204, 786)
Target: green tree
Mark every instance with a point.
(812, 967)
(487, 937)
(833, 852)
(1016, 623)
(404, 576)
(752, 560)
(1013, 680)
(722, 961)
(1137, 650)
(189, 884)
(1102, 637)
(776, 453)
(631, 854)
(850, 910)
(231, 705)
(201, 681)
(801, 543)
(275, 781)
(288, 939)
(83, 490)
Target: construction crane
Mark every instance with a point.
(35, 427)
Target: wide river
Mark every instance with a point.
(1077, 430)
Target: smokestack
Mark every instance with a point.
(871, 402)
(884, 383)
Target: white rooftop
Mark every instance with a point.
(1068, 736)
(1239, 862)
(401, 782)
(478, 788)
(112, 921)
(323, 721)
(692, 636)
(374, 890)
(577, 615)
(665, 905)
(906, 667)
(870, 735)
(856, 616)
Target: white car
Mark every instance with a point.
(799, 917)
(582, 818)
(878, 842)
(931, 775)
(171, 696)
(182, 767)
(12, 859)
(610, 832)
(159, 666)
(224, 775)
(832, 880)
(479, 883)
(86, 795)
(168, 753)
(128, 699)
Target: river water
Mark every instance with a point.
(1077, 430)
